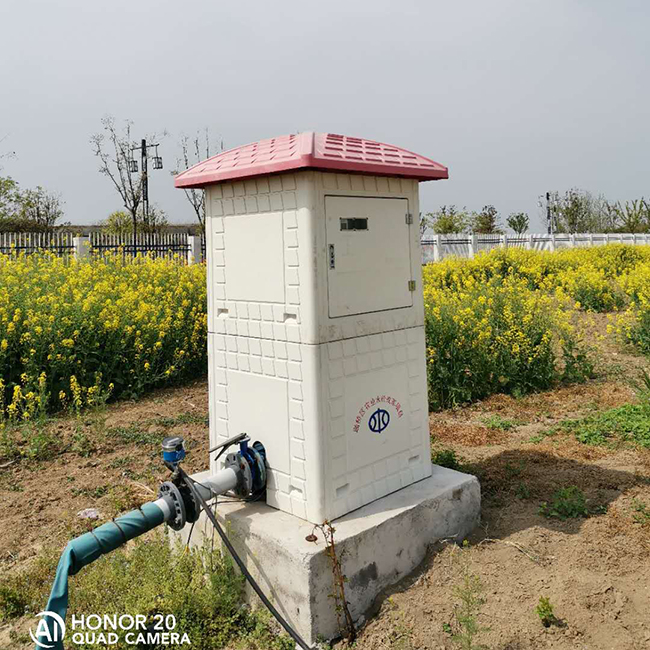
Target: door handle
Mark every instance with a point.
(332, 257)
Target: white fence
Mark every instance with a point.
(185, 248)
(438, 247)
(191, 248)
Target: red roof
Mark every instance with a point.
(323, 151)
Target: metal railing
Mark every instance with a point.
(185, 248)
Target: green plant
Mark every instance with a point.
(566, 503)
(518, 222)
(134, 434)
(151, 577)
(523, 491)
(346, 626)
(496, 422)
(13, 602)
(182, 418)
(625, 424)
(641, 513)
(544, 610)
(446, 458)
(469, 592)
(578, 367)
(513, 471)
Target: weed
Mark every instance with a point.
(150, 577)
(348, 630)
(31, 441)
(566, 503)
(496, 422)
(93, 493)
(641, 513)
(400, 635)
(134, 434)
(120, 462)
(540, 437)
(123, 497)
(578, 366)
(629, 423)
(544, 610)
(523, 491)
(183, 418)
(465, 627)
(82, 444)
(513, 471)
(446, 458)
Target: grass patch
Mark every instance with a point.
(497, 423)
(446, 458)
(568, 503)
(640, 513)
(134, 434)
(625, 424)
(183, 418)
(150, 579)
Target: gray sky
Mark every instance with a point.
(515, 96)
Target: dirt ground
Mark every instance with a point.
(595, 570)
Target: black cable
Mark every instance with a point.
(242, 567)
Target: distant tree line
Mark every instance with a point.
(38, 210)
(574, 211)
(28, 210)
(450, 219)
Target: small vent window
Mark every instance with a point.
(354, 223)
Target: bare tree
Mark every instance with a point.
(113, 147)
(192, 153)
(6, 154)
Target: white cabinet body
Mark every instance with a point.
(316, 344)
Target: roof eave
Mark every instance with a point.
(309, 163)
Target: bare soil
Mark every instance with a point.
(595, 570)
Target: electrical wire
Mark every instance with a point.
(242, 567)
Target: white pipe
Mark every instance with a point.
(164, 506)
(221, 482)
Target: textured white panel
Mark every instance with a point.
(256, 237)
(290, 375)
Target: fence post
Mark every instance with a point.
(194, 252)
(606, 239)
(529, 242)
(81, 247)
(472, 245)
(503, 243)
(552, 242)
(437, 249)
(591, 240)
(572, 240)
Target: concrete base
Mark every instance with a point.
(379, 544)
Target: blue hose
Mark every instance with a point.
(86, 549)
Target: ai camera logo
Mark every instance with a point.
(46, 637)
(379, 420)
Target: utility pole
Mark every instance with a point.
(133, 167)
(549, 216)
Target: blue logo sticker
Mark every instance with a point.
(379, 420)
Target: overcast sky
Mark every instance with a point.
(516, 97)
